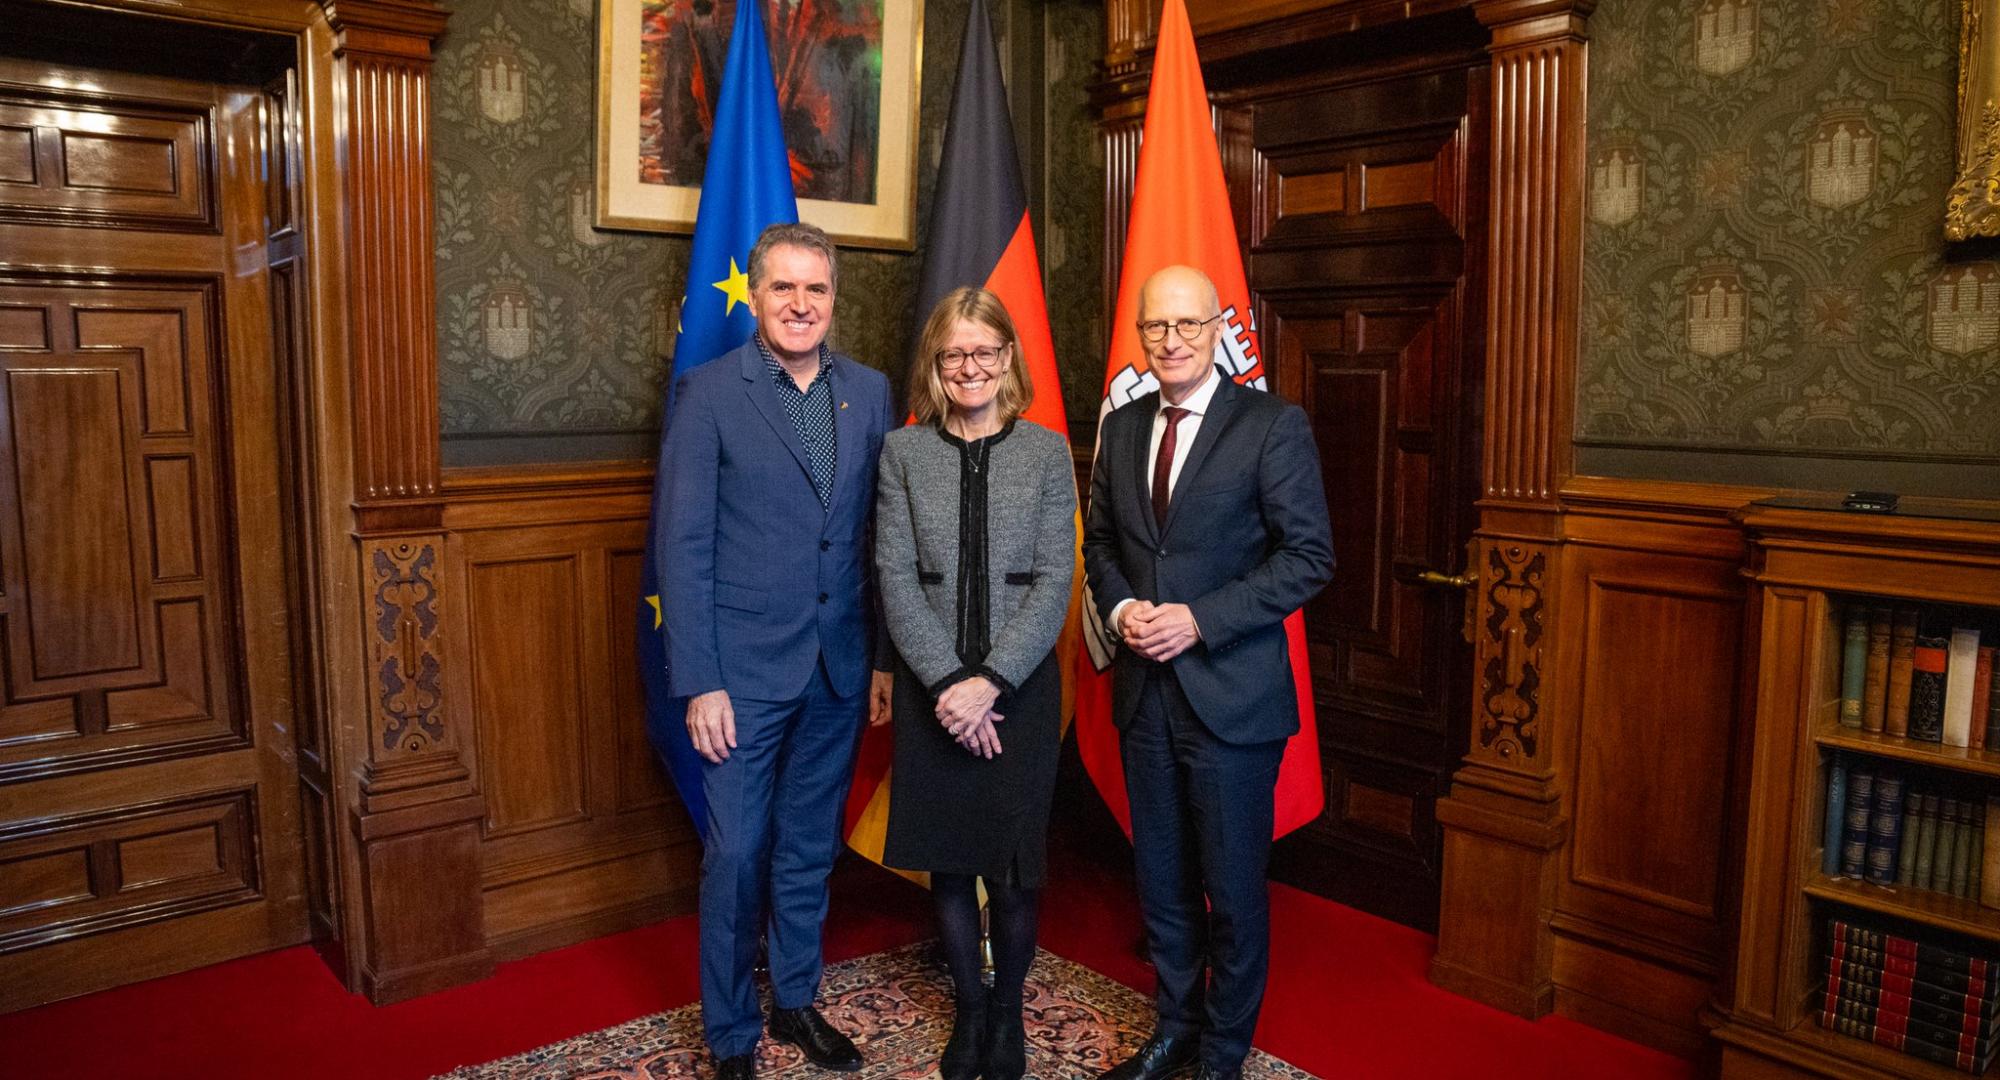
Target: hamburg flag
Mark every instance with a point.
(747, 185)
(980, 235)
(1180, 216)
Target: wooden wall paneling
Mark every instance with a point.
(582, 836)
(1506, 818)
(1655, 636)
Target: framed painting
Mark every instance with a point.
(847, 74)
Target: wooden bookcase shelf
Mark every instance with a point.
(1954, 758)
(1938, 910)
(1807, 558)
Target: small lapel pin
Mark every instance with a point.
(843, 404)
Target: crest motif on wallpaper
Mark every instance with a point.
(1764, 266)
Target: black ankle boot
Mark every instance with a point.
(1006, 1041)
(966, 1050)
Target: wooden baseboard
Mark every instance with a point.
(1506, 996)
(598, 924)
(388, 988)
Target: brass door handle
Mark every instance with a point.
(1448, 581)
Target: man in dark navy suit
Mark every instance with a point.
(1208, 526)
(768, 482)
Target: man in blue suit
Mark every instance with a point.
(762, 527)
(1208, 526)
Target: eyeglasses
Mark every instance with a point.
(954, 359)
(1155, 330)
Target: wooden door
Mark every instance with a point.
(1366, 219)
(149, 800)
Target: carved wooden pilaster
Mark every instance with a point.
(1506, 819)
(417, 814)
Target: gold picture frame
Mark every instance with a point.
(1972, 209)
(659, 68)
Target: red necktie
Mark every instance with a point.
(1163, 465)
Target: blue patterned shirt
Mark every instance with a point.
(811, 412)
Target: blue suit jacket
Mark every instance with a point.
(757, 579)
(1247, 541)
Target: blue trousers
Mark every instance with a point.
(1201, 841)
(774, 812)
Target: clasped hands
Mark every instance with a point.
(1157, 631)
(965, 710)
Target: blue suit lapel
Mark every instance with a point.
(846, 431)
(757, 384)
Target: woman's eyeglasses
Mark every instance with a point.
(955, 359)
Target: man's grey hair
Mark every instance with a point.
(796, 234)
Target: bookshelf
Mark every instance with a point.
(1807, 560)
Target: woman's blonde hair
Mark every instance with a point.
(928, 400)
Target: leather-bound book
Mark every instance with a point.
(1875, 676)
(1902, 650)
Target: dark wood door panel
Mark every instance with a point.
(114, 597)
(1365, 371)
(103, 160)
(1363, 258)
(149, 785)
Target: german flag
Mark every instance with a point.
(980, 235)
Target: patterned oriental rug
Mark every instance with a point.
(897, 1006)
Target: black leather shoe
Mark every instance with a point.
(808, 1030)
(740, 1067)
(1161, 1057)
(965, 1053)
(1210, 1072)
(1006, 1042)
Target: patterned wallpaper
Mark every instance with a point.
(553, 337)
(1764, 267)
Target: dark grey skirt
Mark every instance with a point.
(953, 812)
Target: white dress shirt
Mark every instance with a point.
(1184, 433)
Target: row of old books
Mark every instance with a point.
(1910, 827)
(1929, 998)
(1925, 673)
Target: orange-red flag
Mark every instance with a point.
(1180, 216)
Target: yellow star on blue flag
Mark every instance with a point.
(736, 287)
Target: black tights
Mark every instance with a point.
(1014, 911)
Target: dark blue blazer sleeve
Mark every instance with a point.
(1299, 562)
(684, 530)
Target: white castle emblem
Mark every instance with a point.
(1840, 160)
(1617, 182)
(507, 320)
(1725, 36)
(1965, 309)
(579, 215)
(1716, 315)
(502, 84)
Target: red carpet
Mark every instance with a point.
(1348, 999)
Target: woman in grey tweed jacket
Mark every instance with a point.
(975, 553)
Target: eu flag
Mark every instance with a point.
(746, 186)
